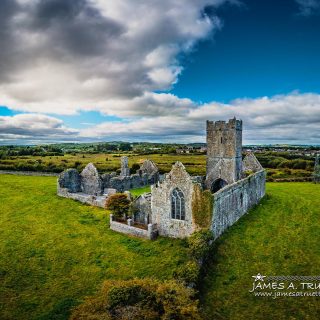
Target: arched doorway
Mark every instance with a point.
(217, 185)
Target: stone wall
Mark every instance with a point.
(91, 183)
(161, 203)
(151, 233)
(142, 208)
(98, 201)
(224, 151)
(251, 163)
(233, 201)
(29, 173)
(123, 183)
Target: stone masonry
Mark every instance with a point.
(161, 203)
(91, 182)
(224, 152)
(233, 201)
(251, 163)
(178, 200)
(91, 188)
(125, 171)
(232, 195)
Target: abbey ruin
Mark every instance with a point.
(179, 203)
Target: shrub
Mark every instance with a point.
(118, 204)
(135, 167)
(140, 299)
(200, 243)
(189, 273)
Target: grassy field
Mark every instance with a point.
(55, 251)
(279, 237)
(194, 163)
(138, 191)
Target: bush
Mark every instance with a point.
(189, 273)
(135, 167)
(200, 243)
(118, 204)
(140, 299)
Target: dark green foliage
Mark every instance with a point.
(189, 273)
(118, 204)
(135, 167)
(140, 299)
(199, 244)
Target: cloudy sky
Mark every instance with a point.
(150, 70)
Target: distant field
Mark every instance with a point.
(194, 163)
(55, 251)
(280, 237)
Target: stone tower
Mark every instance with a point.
(125, 171)
(224, 153)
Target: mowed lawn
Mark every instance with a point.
(55, 251)
(279, 237)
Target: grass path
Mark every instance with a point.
(55, 251)
(279, 237)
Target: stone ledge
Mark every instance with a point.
(98, 201)
(150, 234)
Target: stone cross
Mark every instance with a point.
(125, 171)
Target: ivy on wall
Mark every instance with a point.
(202, 207)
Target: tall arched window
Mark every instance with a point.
(177, 205)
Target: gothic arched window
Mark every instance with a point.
(177, 205)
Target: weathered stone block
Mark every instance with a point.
(70, 179)
(91, 182)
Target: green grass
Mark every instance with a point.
(56, 251)
(195, 164)
(138, 191)
(279, 237)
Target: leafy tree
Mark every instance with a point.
(118, 204)
(124, 146)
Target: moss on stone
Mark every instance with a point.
(202, 207)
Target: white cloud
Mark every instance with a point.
(63, 56)
(308, 7)
(291, 118)
(294, 117)
(33, 126)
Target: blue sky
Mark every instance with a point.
(264, 48)
(92, 71)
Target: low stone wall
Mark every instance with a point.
(151, 233)
(125, 183)
(233, 201)
(98, 201)
(30, 173)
